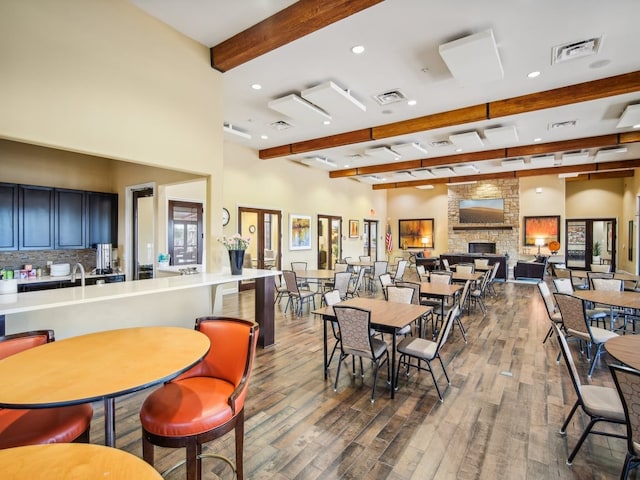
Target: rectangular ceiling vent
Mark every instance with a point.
(441, 143)
(280, 125)
(392, 96)
(569, 51)
(568, 123)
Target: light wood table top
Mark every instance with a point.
(439, 289)
(98, 366)
(607, 297)
(625, 349)
(463, 276)
(73, 461)
(315, 274)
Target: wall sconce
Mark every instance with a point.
(539, 243)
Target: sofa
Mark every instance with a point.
(531, 269)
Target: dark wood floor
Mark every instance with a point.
(500, 416)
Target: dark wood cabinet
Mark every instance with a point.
(8, 216)
(71, 219)
(103, 218)
(36, 218)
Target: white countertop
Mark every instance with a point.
(30, 301)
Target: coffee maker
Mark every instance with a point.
(103, 258)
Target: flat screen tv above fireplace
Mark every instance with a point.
(485, 210)
(482, 247)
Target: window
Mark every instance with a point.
(185, 233)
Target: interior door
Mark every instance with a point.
(329, 241)
(371, 239)
(143, 234)
(264, 228)
(590, 241)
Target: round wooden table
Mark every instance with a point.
(73, 461)
(625, 349)
(98, 366)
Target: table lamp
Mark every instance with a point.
(539, 243)
(425, 242)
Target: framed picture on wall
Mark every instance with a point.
(354, 229)
(545, 227)
(416, 233)
(299, 232)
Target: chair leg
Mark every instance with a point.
(563, 429)
(435, 382)
(194, 463)
(548, 335)
(595, 358)
(147, 450)
(580, 441)
(340, 360)
(239, 445)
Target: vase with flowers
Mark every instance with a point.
(236, 246)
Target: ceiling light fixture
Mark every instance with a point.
(473, 59)
(502, 135)
(256, 86)
(630, 117)
(568, 175)
(533, 74)
(513, 163)
(442, 172)
(227, 127)
(297, 108)
(358, 49)
(543, 160)
(607, 154)
(410, 150)
(422, 173)
(465, 170)
(323, 162)
(467, 140)
(575, 158)
(333, 99)
(425, 187)
(383, 153)
(411, 103)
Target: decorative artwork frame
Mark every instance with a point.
(546, 227)
(354, 228)
(412, 232)
(299, 232)
(630, 241)
(609, 237)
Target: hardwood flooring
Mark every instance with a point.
(500, 417)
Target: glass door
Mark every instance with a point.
(591, 242)
(371, 239)
(264, 229)
(329, 241)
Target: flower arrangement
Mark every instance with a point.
(235, 242)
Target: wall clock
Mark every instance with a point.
(252, 229)
(225, 216)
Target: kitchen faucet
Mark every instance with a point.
(73, 273)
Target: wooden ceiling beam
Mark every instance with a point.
(606, 87)
(290, 24)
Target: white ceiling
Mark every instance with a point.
(402, 39)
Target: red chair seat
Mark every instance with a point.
(46, 425)
(187, 407)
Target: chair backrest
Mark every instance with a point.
(577, 281)
(568, 358)
(563, 285)
(421, 270)
(233, 348)
(399, 294)
(402, 265)
(340, 267)
(356, 286)
(355, 327)
(545, 293)
(600, 268)
(445, 264)
(440, 277)
(291, 281)
(416, 290)
(481, 262)
(297, 266)
(443, 334)
(609, 284)
(365, 258)
(19, 342)
(332, 297)
(627, 382)
(379, 267)
(462, 298)
(494, 271)
(385, 280)
(341, 282)
(573, 316)
(560, 272)
(465, 268)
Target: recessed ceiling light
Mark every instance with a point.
(264, 137)
(537, 139)
(256, 86)
(533, 74)
(411, 103)
(358, 49)
(326, 122)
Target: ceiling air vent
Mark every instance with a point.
(280, 125)
(441, 143)
(569, 51)
(392, 96)
(568, 123)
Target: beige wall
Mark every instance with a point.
(629, 214)
(283, 185)
(106, 79)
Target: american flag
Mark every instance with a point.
(388, 241)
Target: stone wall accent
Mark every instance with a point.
(506, 240)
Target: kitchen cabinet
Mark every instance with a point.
(103, 218)
(71, 219)
(8, 216)
(36, 218)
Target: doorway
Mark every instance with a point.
(185, 233)
(371, 239)
(329, 241)
(264, 228)
(590, 241)
(143, 233)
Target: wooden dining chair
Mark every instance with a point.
(207, 401)
(20, 427)
(627, 381)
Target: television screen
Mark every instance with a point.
(490, 210)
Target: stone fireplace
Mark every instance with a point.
(504, 236)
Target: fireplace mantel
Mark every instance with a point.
(482, 227)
